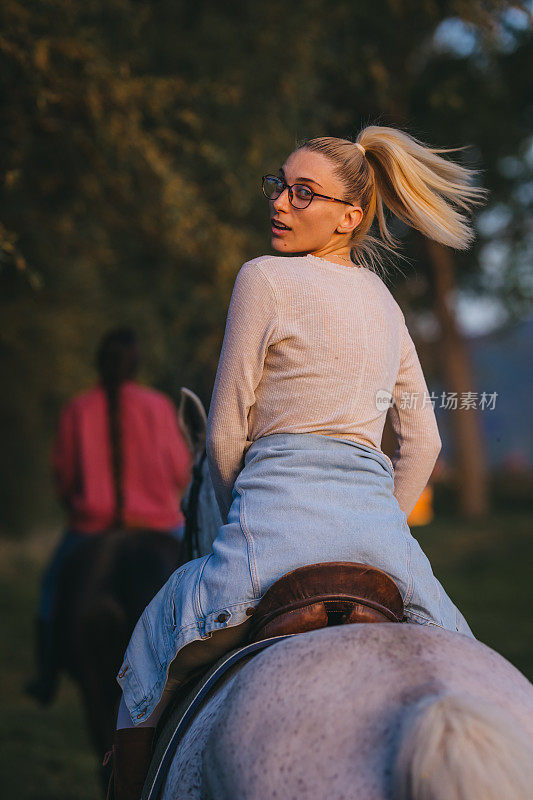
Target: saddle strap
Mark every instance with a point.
(167, 745)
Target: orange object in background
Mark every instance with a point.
(422, 513)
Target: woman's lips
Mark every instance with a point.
(278, 231)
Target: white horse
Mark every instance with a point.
(373, 712)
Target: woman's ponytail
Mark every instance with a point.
(117, 361)
(387, 166)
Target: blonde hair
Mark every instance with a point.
(411, 179)
(456, 747)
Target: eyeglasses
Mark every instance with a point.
(300, 196)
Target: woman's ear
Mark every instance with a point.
(352, 218)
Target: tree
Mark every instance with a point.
(134, 136)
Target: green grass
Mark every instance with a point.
(486, 569)
(45, 754)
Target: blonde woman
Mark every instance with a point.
(316, 352)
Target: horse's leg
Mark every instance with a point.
(100, 700)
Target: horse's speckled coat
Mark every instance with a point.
(319, 715)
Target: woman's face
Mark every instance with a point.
(324, 227)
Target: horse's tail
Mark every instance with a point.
(455, 747)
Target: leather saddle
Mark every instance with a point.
(319, 595)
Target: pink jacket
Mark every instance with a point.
(156, 461)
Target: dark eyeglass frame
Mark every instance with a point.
(285, 185)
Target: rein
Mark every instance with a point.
(191, 536)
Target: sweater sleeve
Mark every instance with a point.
(250, 326)
(414, 423)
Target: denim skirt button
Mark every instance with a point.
(249, 612)
(222, 617)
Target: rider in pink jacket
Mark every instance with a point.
(120, 460)
(156, 461)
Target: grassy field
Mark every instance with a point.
(45, 754)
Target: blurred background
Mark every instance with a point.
(133, 139)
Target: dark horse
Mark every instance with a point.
(104, 588)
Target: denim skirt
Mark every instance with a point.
(300, 498)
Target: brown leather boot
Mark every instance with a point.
(132, 753)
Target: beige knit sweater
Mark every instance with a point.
(308, 345)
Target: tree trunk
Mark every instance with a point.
(470, 460)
